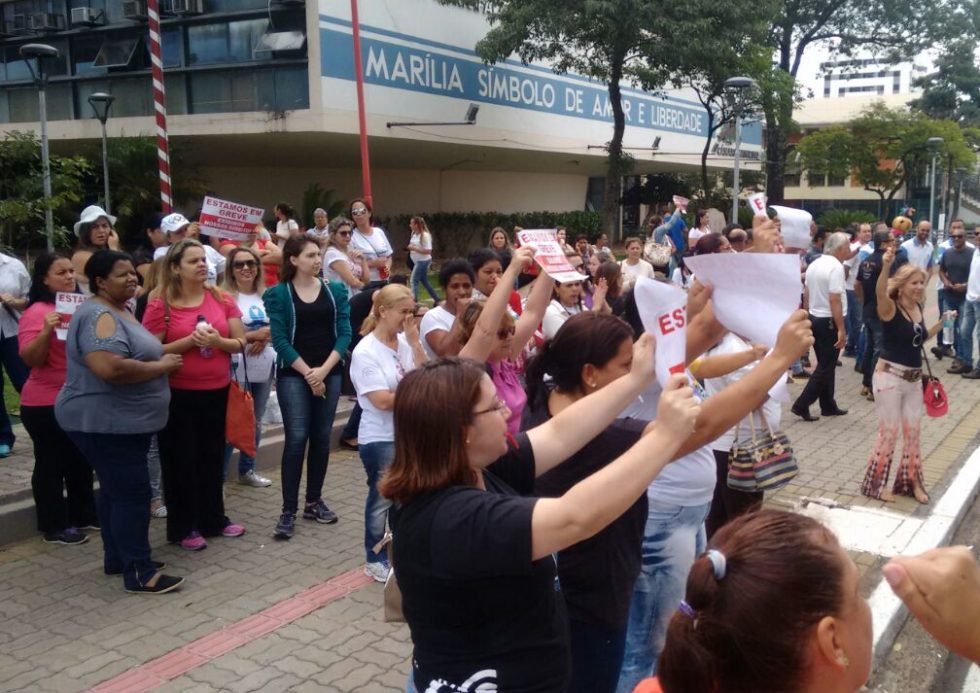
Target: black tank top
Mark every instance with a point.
(902, 340)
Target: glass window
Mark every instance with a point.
(116, 52)
(14, 66)
(134, 96)
(176, 95)
(172, 48)
(225, 43)
(282, 89)
(84, 51)
(237, 5)
(292, 88)
(22, 103)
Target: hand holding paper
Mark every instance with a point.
(795, 226)
(757, 202)
(663, 310)
(549, 254)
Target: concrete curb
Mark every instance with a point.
(887, 611)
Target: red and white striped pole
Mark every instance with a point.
(160, 103)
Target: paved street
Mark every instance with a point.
(261, 615)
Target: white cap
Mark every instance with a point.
(173, 222)
(90, 214)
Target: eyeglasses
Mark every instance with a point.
(359, 211)
(506, 332)
(345, 234)
(498, 406)
(244, 264)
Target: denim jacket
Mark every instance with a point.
(282, 320)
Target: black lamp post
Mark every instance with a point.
(36, 56)
(101, 103)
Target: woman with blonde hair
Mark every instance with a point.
(499, 242)
(243, 280)
(897, 382)
(391, 347)
(202, 324)
(420, 252)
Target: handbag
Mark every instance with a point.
(240, 413)
(933, 392)
(764, 463)
(657, 254)
(392, 592)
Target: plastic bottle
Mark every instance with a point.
(948, 324)
(202, 322)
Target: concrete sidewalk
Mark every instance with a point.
(257, 614)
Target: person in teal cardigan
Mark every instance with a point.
(310, 324)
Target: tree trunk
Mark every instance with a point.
(775, 161)
(705, 151)
(616, 166)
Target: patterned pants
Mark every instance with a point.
(899, 404)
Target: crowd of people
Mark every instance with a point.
(532, 471)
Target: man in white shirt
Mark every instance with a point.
(177, 227)
(15, 284)
(825, 301)
(919, 248)
(970, 318)
(860, 241)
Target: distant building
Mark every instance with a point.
(869, 77)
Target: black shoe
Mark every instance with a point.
(344, 445)
(938, 353)
(286, 526)
(165, 583)
(157, 566)
(839, 363)
(804, 414)
(834, 412)
(959, 368)
(972, 375)
(320, 512)
(948, 351)
(67, 537)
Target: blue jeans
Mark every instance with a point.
(953, 301)
(968, 327)
(17, 372)
(376, 458)
(124, 501)
(153, 467)
(874, 338)
(673, 538)
(260, 397)
(941, 305)
(420, 275)
(853, 322)
(306, 418)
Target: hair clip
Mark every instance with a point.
(718, 563)
(687, 609)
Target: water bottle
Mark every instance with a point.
(948, 324)
(202, 322)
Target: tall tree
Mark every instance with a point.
(897, 27)
(953, 90)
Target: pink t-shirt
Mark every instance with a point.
(506, 376)
(197, 373)
(45, 381)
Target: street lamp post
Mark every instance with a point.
(42, 52)
(738, 85)
(101, 103)
(934, 143)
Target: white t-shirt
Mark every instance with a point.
(319, 235)
(692, 238)
(285, 229)
(15, 280)
(555, 316)
(689, 481)
(373, 247)
(630, 272)
(258, 367)
(436, 319)
(678, 278)
(422, 240)
(852, 265)
(333, 254)
(825, 276)
(920, 254)
(375, 367)
(216, 261)
(973, 283)
(732, 344)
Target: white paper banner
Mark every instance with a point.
(753, 293)
(794, 225)
(681, 202)
(229, 219)
(757, 203)
(65, 305)
(663, 310)
(549, 254)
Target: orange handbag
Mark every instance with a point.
(240, 414)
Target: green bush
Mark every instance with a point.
(840, 218)
(457, 233)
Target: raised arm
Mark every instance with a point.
(481, 342)
(534, 309)
(886, 306)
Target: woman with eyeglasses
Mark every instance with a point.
(391, 347)
(897, 382)
(310, 324)
(341, 262)
(269, 254)
(243, 280)
(371, 241)
(491, 334)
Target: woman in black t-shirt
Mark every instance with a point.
(897, 382)
(473, 550)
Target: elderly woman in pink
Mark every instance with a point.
(491, 335)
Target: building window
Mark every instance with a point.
(280, 89)
(117, 53)
(229, 42)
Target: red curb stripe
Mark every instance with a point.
(167, 667)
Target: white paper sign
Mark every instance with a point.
(65, 305)
(681, 202)
(229, 219)
(753, 293)
(794, 225)
(757, 202)
(549, 254)
(663, 310)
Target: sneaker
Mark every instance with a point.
(286, 526)
(4, 450)
(233, 530)
(250, 478)
(165, 583)
(159, 511)
(68, 537)
(92, 528)
(972, 375)
(193, 542)
(377, 571)
(157, 566)
(938, 353)
(320, 512)
(959, 367)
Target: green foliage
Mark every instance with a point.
(315, 196)
(953, 91)
(456, 233)
(22, 203)
(840, 218)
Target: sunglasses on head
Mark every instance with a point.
(244, 264)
